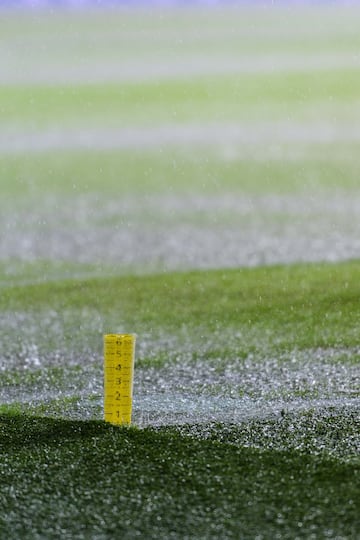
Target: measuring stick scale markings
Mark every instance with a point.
(119, 354)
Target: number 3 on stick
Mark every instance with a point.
(119, 354)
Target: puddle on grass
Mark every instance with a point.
(223, 364)
(178, 232)
(329, 426)
(328, 430)
(175, 135)
(180, 380)
(196, 391)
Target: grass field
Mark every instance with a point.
(189, 175)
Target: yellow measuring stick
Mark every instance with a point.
(119, 353)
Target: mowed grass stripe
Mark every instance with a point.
(57, 177)
(306, 306)
(209, 99)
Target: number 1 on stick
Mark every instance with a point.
(119, 354)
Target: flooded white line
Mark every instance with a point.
(165, 409)
(178, 409)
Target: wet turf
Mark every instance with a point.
(134, 144)
(78, 479)
(271, 349)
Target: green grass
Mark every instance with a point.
(251, 97)
(300, 306)
(74, 175)
(246, 393)
(108, 482)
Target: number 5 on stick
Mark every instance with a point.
(119, 354)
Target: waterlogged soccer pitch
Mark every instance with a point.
(191, 176)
